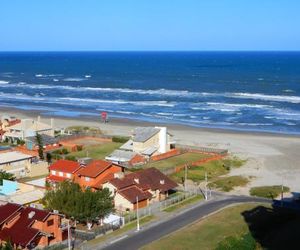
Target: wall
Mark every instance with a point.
(121, 203)
(38, 169)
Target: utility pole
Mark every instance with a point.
(205, 185)
(69, 239)
(282, 192)
(185, 176)
(137, 215)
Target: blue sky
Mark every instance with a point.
(30, 25)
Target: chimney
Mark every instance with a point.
(38, 118)
(31, 214)
(162, 182)
(52, 123)
(136, 180)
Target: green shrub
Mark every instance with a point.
(268, 191)
(228, 183)
(64, 151)
(71, 158)
(121, 139)
(245, 242)
(79, 147)
(57, 152)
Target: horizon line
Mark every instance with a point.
(50, 51)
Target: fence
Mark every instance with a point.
(159, 206)
(203, 149)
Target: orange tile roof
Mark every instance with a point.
(94, 168)
(65, 166)
(55, 178)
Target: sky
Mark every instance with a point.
(149, 25)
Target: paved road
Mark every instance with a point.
(155, 232)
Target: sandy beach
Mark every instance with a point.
(272, 159)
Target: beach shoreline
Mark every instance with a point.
(272, 159)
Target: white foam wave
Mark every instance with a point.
(87, 76)
(140, 103)
(74, 79)
(4, 82)
(263, 97)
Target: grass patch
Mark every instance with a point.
(212, 168)
(184, 203)
(244, 242)
(127, 227)
(206, 234)
(177, 160)
(268, 191)
(228, 183)
(96, 151)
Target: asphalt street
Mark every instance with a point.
(159, 230)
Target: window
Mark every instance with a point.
(53, 172)
(69, 176)
(50, 223)
(87, 178)
(61, 174)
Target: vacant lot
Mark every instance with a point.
(177, 160)
(214, 169)
(97, 151)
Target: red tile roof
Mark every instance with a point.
(94, 168)
(21, 232)
(65, 166)
(55, 178)
(149, 178)
(133, 192)
(8, 210)
(99, 183)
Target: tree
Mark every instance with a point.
(83, 205)
(6, 246)
(39, 141)
(6, 176)
(48, 157)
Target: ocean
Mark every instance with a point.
(251, 91)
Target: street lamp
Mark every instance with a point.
(137, 215)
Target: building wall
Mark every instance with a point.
(51, 226)
(19, 168)
(110, 187)
(83, 182)
(38, 169)
(141, 146)
(121, 203)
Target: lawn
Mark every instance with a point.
(212, 168)
(227, 184)
(207, 233)
(177, 160)
(268, 191)
(96, 151)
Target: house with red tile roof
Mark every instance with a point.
(27, 227)
(97, 172)
(142, 187)
(63, 170)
